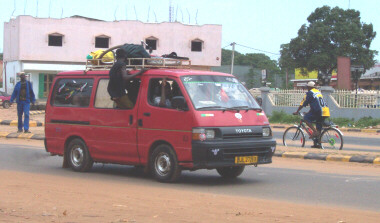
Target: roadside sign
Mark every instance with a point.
(263, 74)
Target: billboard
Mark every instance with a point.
(301, 74)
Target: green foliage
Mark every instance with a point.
(283, 117)
(330, 33)
(256, 60)
(343, 122)
(1, 56)
(367, 121)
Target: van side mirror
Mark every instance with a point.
(179, 102)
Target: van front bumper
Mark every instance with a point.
(222, 153)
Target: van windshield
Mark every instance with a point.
(218, 93)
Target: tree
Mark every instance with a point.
(330, 33)
(226, 57)
(257, 61)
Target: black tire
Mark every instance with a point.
(293, 136)
(78, 156)
(6, 104)
(164, 164)
(231, 171)
(331, 138)
(41, 107)
(33, 107)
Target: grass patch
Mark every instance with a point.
(285, 118)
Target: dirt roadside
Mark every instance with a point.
(42, 198)
(30, 197)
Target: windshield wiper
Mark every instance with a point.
(246, 108)
(237, 108)
(257, 109)
(210, 107)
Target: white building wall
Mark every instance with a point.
(11, 69)
(79, 38)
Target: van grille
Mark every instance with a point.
(232, 153)
(242, 135)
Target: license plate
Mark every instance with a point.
(246, 159)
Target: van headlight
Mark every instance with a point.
(267, 132)
(201, 134)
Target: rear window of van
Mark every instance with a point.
(72, 92)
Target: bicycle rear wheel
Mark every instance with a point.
(331, 138)
(294, 136)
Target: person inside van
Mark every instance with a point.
(164, 100)
(118, 78)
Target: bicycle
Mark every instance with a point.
(330, 138)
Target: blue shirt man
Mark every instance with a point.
(23, 93)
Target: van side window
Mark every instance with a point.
(103, 99)
(72, 92)
(155, 92)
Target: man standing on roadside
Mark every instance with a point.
(23, 93)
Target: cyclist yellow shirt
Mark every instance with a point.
(314, 98)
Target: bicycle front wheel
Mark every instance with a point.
(294, 136)
(331, 138)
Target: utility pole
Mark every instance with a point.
(232, 57)
(286, 83)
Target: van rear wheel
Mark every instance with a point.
(164, 164)
(78, 156)
(231, 171)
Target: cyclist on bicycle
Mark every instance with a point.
(318, 111)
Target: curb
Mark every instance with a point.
(15, 122)
(329, 157)
(341, 129)
(36, 112)
(22, 136)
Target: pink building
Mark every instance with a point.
(43, 47)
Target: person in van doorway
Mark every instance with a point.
(164, 100)
(318, 110)
(23, 93)
(118, 78)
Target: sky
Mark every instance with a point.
(259, 25)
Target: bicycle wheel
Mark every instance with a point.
(294, 136)
(331, 138)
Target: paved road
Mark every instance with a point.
(294, 185)
(353, 143)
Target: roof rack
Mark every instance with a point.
(154, 62)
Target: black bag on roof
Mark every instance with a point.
(135, 51)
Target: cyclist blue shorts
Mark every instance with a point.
(314, 116)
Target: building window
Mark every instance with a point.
(102, 42)
(196, 45)
(152, 43)
(55, 40)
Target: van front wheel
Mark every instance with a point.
(78, 156)
(164, 164)
(231, 171)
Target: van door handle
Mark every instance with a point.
(140, 122)
(131, 119)
(147, 114)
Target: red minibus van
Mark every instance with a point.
(211, 122)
